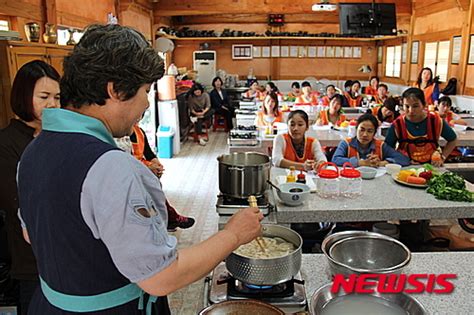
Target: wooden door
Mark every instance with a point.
(56, 58)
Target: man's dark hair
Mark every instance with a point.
(21, 99)
(108, 53)
(445, 99)
(415, 93)
(295, 85)
(384, 86)
(305, 83)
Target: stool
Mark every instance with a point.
(205, 127)
(220, 122)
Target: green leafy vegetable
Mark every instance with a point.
(450, 186)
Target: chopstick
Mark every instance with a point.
(260, 241)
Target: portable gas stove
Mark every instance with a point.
(289, 296)
(228, 205)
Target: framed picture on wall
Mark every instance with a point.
(242, 51)
(275, 51)
(471, 51)
(330, 51)
(379, 54)
(347, 52)
(284, 51)
(404, 52)
(311, 51)
(414, 51)
(293, 51)
(321, 51)
(257, 51)
(456, 56)
(302, 52)
(266, 51)
(338, 52)
(357, 52)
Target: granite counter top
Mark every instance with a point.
(382, 199)
(315, 271)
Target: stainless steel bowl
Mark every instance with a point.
(268, 271)
(323, 300)
(364, 252)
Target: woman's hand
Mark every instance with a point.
(156, 167)
(317, 165)
(308, 165)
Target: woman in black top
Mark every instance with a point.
(36, 87)
(220, 102)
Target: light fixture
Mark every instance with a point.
(324, 6)
(365, 69)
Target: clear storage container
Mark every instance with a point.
(350, 181)
(328, 181)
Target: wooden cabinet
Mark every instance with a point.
(13, 55)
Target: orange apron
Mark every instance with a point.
(370, 91)
(325, 99)
(138, 148)
(324, 117)
(353, 102)
(419, 148)
(261, 122)
(352, 152)
(290, 152)
(312, 101)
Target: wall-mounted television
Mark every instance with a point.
(367, 19)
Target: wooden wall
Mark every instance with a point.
(282, 68)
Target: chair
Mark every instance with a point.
(220, 122)
(205, 125)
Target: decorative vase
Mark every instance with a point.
(50, 35)
(71, 40)
(32, 31)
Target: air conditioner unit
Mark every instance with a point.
(204, 63)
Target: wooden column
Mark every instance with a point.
(409, 43)
(49, 7)
(466, 34)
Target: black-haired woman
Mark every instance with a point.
(388, 111)
(373, 86)
(353, 97)
(295, 148)
(199, 104)
(427, 84)
(220, 101)
(254, 91)
(295, 91)
(365, 150)
(36, 87)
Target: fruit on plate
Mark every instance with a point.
(416, 180)
(403, 175)
(345, 124)
(426, 175)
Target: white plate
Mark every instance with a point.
(395, 178)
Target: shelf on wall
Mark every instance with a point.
(286, 38)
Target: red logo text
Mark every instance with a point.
(394, 283)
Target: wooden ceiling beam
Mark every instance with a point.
(210, 7)
(20, 8)
(326, 18)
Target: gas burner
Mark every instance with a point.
(229, 205)
(242, 135)
(289, 296)
(250, 128)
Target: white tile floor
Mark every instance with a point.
(191, 184)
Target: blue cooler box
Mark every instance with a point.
(165, 142)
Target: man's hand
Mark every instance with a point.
(245, 225)
(156, 167)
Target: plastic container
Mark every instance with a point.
(350, 181)
(165, 142)
(352, 129)
(328, 181)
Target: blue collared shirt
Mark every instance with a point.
(389, 154)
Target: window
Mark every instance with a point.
(393, 61)
(4, 25)
(437, 58)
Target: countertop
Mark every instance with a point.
(315, 271)
(382, 199)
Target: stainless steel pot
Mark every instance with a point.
(243, 174)
(269, 271)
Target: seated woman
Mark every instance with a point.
(444, 111)
(295, 148)
(373, 86)
(388, 111)
(271, 87)
(142, 151)
(365, 150)
(270, 113)
(199, 104)
(220, 102)
(330, 92)
(254, 91)
(382, 94)
(334, 114)
(427, 84)
(354, 99)
(307, 97)
(295, 91)
(417, 132)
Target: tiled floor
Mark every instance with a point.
(191, 184)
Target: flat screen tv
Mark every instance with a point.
(367, 19)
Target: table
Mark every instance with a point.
(382, 199)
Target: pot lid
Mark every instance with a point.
(328, 173)
(349, 171)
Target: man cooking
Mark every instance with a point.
(94, 215)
